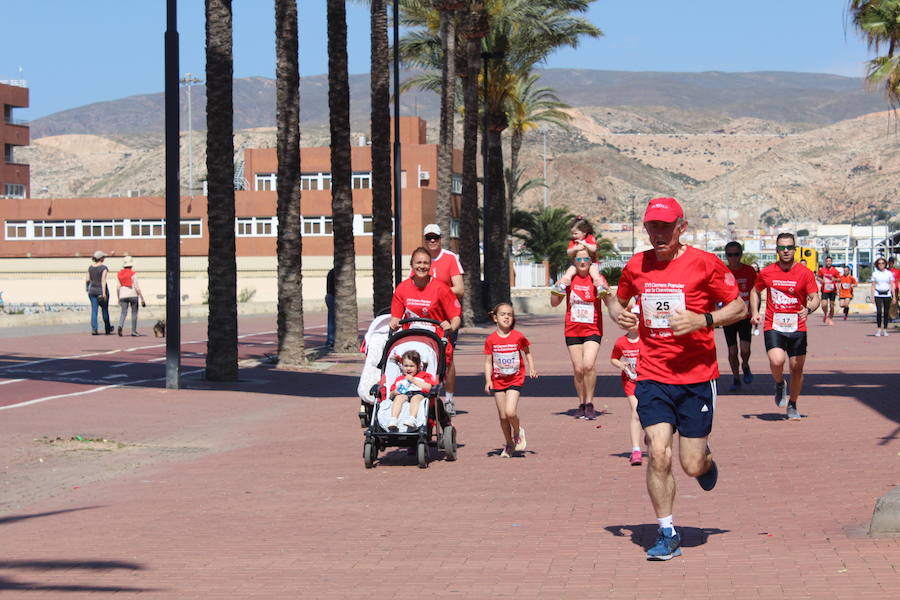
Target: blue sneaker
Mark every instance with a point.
(667, 545)
(708, 480)
(748, 376)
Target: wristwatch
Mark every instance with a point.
(709, 319)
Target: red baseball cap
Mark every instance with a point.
(666, 210)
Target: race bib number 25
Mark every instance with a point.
(658, 308)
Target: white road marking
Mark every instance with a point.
(120, 365)
(116, 376)
(91, 391)
(72, 372)
(11, 381)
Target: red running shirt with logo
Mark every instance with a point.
(695, 281)
(583, 308)
(507, 357)
(628, 352)
(829, 278)
(786, 296)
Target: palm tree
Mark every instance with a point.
(546, 234)
(291, 348)
(346, 332)
(447, 10)
(474, 28)
(382, 251)
(221, 353)
(528, 108)
(878, 21)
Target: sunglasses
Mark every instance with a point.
(783, 248)
(432, 237)
(732, 254)
(582, 259)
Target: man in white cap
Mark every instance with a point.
(446, 267)
(678, 288)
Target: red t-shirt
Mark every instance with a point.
(786, 296)
(745, 276)
(588, 239)
(509, 363)
(829, 278)
(695, 281)
(628, 352)
(411, 387)
(583, 315)
(435, 301)
(896, 273)
(445, 267)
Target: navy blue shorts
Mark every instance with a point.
(689, 408)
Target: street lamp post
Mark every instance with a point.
(190, 80)
(546, 185)
(398, 230)
(632, 226)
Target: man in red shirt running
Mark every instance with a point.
(828, 277)
(745, 276)
(446, 267)
(791, 294)
(678, 288)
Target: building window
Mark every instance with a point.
(54, 229)
(191, 228)
(151, 228)
(256, 226)
(16, 230)
(315, 181)
(14, 190)
(314, 226)
(454, 227)
(266, 182)
(362, 181)
(102, 229)
(367, 223)
(456, 184)
(362, 225)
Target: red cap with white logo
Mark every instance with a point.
(666, 210)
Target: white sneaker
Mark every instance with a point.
(449, 407)
(558, 288)
(409, 422)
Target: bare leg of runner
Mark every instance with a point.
(777, 360)
(797, 363)
(660, 481)
(589, 382)
(576, 355)
(694, 458)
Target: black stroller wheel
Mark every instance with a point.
(370, 453)
(449, 439)
(422, 454)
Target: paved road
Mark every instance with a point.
(257, 489)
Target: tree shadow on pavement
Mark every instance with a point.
(644, 535)
(14, 518)
(8, 584)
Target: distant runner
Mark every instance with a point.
(745, 276)
(845, 290)
(791, 294)
(828, 277)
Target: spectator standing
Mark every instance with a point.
(98, 292)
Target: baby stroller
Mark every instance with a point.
(433, 427)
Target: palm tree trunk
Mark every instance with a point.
(448, 109)
(291, 348)
(346, 333)
(474, 21)
(497, 267)
(221, 353)
(382, 234)
(515, 147)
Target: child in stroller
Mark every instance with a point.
(412, 380)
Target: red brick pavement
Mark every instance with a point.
(258, 490)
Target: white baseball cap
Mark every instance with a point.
(432, 229)
(99, 254)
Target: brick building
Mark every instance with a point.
(14, 177)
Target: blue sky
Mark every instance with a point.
(75, 53)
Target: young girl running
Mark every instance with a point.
(413, 382)
(582, 238)
(504, 374)
(624, 357)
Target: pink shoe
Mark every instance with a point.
(636, 458)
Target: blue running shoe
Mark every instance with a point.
(667, 546)
(735, 385)
(748, 376)
(708, 480)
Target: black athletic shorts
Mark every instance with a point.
(793, 343)
(741, 329)
(578, 340)
(689, 408)
(829, 296)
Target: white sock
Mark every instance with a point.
(449, 396)
(666, 522)
(636, 449)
